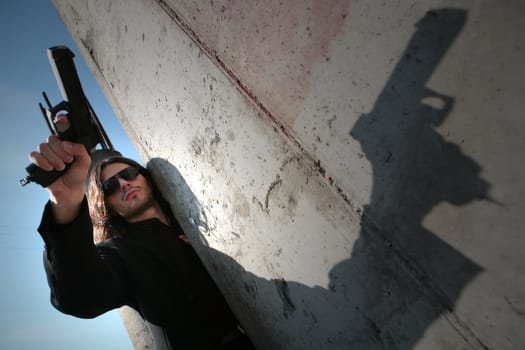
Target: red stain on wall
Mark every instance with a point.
(272, 46)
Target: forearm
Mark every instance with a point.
(65, 207)
(81, 289)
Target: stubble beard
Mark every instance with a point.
(148, 203)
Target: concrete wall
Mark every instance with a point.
(350, 171)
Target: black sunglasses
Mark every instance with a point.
(112, 184)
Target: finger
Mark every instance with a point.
(56, 145)
(78, 151)
(62, 122)
(40, 161)
(184, 238)
(49, 154)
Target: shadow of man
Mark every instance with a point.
(400, 277)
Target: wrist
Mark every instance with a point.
(65, 206)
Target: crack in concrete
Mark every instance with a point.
(272, 187)
(310, 159)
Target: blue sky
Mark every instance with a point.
(27, 319)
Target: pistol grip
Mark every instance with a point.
(41, 176)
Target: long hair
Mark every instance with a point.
(106, 223)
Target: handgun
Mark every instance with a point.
(81, 125)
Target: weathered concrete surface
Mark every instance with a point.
(332, 161)
(138, 330)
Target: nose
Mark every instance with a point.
(123, 183)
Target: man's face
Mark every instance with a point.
(133, 198)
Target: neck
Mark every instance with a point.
(153, 211)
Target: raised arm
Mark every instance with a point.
(85, 280)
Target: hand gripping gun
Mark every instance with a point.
(81, 125)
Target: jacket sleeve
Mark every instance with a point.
(85, 280)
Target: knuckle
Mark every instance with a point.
(34, 156)
(43, 147)
(51, 138)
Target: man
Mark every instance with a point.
(121, 246)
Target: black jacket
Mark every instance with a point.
(149, 269)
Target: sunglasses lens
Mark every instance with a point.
(112, 185)
(128, 173)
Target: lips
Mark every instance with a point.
(129, 193)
